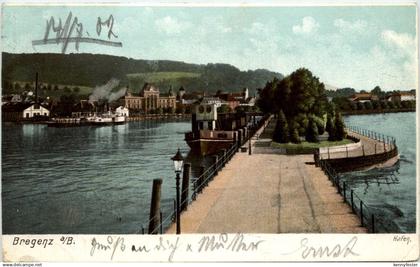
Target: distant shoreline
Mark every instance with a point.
(377, 111)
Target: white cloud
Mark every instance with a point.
(171, 26)
(403, 42)
(358, 26)
(309, 25)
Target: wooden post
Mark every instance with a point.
(363, 150)
(161, 220)
(185, 186)
(351, 198)
(347, 152)
(239, 138)
(361, 213)
(375, 148)
(155, 207)
(249, 146)
(384, 145)
(328, 150)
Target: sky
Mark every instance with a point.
(345, 46)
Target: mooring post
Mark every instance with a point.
(185, 186)
(249, 146)
(328, 150)
(347, 152)
(363, 150)
(375, 148)
(361, 213)
(155, 207)
(351, 199)
(239, 138)
(161, 225)
(142, 230)
(384, 145)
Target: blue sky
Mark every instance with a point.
(357, 46)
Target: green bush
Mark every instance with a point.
(330, 128)
(293, 132)
(384, 104)
(376, 104)
(391, 105)
(368, 105)
(360, 106)
(311, 134)
(281, 132)
(340, 132)
(319, 123)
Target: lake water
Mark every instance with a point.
(87, 179)
(390, 192)
(92, 180)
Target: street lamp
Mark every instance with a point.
(178, 160)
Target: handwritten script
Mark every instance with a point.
(72, 31)
(170, 245)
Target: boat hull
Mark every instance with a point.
(209, 146)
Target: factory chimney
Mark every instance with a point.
(36, 88)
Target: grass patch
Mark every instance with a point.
(155, 77)
(308, 148)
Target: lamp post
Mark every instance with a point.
(178, 160)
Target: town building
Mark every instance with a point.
(149, 99)
(363, 97)
(122, 111)
(23, 111)
(402, 96)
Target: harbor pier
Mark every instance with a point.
(268, 192)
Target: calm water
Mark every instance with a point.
(390, 192)
(84, 179)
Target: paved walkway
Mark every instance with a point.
(269, 193)
(369, 145)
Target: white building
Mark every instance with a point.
(122, 111)
(35, 110)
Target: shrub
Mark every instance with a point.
(319, 124)
(281, 132)
(360, 106)
(340, 132)
(368, 105)
(293, 132)
(376, 104)
(391, 105)
(384, 104)
(311, 134)
(330, 128)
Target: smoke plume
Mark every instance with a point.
(103, 92)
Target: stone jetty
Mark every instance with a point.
(267, 192)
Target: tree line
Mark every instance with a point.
(302, 108)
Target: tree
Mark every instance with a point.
(281, 132)
(17, 87)
(340, 132)
(311, 134)
(330, 128)
(224, 109)
(368, 105)
(293, 132)
(76, 90)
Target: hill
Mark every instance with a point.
(92, 69)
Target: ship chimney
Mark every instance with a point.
(36, 88)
